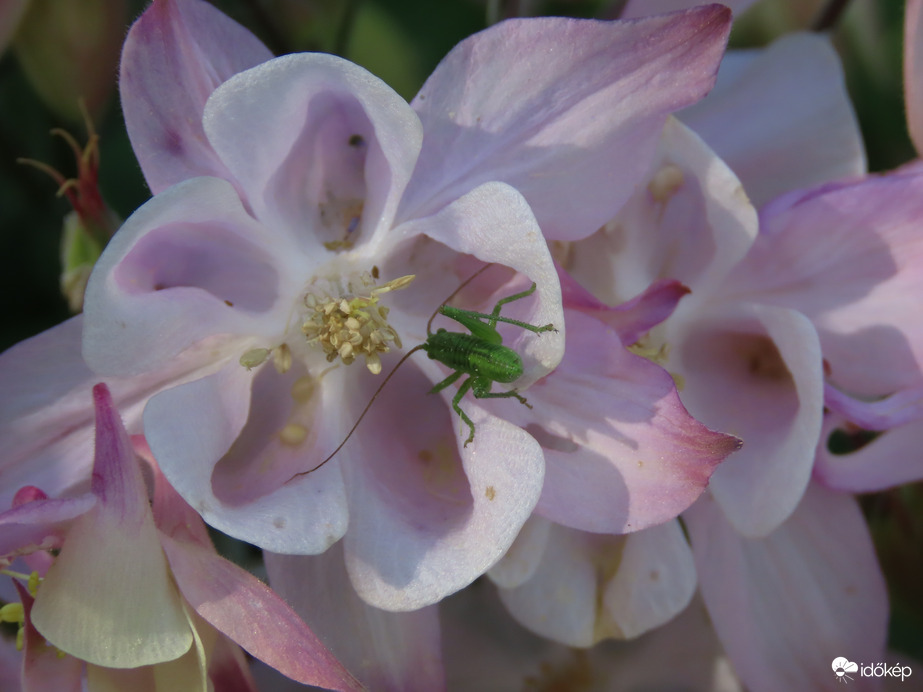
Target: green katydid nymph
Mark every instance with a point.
(479, 354)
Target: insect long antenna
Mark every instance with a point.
(362, 415)
(429, 325)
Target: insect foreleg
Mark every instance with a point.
(475, 325)
(446, 382)
(495, 315)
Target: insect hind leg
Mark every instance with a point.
(465, 386)
(481, 390)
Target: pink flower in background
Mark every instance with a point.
(742, 368)
(876, 388)
(746, 349)
(623, 458)
(120, 587)
(781, 117)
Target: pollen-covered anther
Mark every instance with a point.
(12, 612)
(281, 358)
(350, 326)
(254, 357)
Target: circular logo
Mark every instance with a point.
(841, 666)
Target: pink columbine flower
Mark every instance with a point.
(291, 279)
(132, 585)
(733, 342)
(311, 197)
(769, 315)
(879, 388)
(847, 256)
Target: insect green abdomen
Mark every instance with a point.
(474, 356)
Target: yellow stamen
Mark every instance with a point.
(347, 327)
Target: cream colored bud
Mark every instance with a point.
(254, 357)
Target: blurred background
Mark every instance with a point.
(55, 52)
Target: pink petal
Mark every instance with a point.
(189, 264)
(646, 8)
(636, 317)
(193, 426)
(913, 70)
(554, 106)
(891, 459)
(360, 138)
(524, 557)
(899, 408)
(174, 57)
(173, 515)
(427, 515)
(108, 598)
(633, 318)
(689, 221)
(39, 525)
(622, 453)
(560, 601)
(755, 371)
(782, 119)
(786, 605)
(229, 668)
(848, 256)
(494, 224)
(249, 612)
(655, 580)
(46, 420)
(589, 586)
(683, 655)
(387, 651)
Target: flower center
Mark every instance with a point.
(353, 324)
(345, 323)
